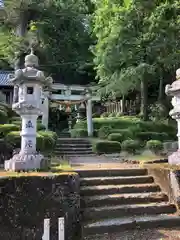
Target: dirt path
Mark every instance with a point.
(148, 234)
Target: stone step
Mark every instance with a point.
(57, 152)
(72, 140)
(73, 148)
(128, 210)
(112, 172)
(115, 189)
(115, 180)
(120, 224)
(118, 199)
(83, 145)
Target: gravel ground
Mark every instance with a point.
(148, 234)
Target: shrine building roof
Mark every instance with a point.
(4, 79)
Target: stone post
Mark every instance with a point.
(89, 115)
(174, 91)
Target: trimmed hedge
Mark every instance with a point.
(101, 147)
(78, 133)
(40, 126)
(118, 137)
(7, 128)
(130, 122)
(154, 145)
(45, 140)
(104, 131)
(131, 146)
(146, 136)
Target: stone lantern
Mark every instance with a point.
(29, 84)
(174, 91)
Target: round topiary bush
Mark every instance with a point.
(155, 146)
(101, 147)
(78, 133)
(104, 131)
(118, 137)
(130, 146)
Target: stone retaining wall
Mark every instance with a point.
(169, 182)
(26, 200)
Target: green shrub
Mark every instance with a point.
(7, 128)
(50, 139)
(101, 147)
(154, 145)
(104, 132)
(132, 123)
(78, 133)
(3, 116)
(13, 138)
(126, 133)
(118, 137)
(112, 114)
(119, 114)
(104, 115)
(40, 127)
(130, 146)
(146, 136)
(45, 140)
(96, 115)
(6, 151)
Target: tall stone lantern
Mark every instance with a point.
(174, 91)
(29, 84)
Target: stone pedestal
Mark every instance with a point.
(174, 91)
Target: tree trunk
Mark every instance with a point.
(161, 90)
(144, 99)
(21, 27)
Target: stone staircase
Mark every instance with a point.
(73, 147)
(117, 200)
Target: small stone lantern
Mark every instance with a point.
(28, 91)
(174, 91)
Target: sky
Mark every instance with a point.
(1, 3)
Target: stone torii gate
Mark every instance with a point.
(66, 95)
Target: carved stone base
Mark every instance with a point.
(24, 162)
(174, 158)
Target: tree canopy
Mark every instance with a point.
(137, 44)
(62, 32)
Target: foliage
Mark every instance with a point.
(158, 112)
(6, 151)
(105, 114)
(101, 147)
(131, 146)
(104, 131)
(118, 137)
(154, 145)
(78, 133)
(146, 136)
(7, 128)
(45, 140)
(137, 47)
